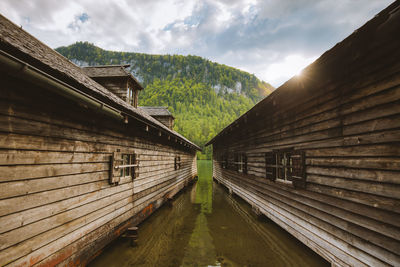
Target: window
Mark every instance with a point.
(241, 163)
(123, 165)
(132, 102)
(128, 93)
(130, 96)
(286, 165)
(177, 163)
(128, 164)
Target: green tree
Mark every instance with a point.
(202, 95)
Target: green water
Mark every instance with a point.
(205, 226)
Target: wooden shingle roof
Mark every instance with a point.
(23, 46)
(107, 71)
(157, 111)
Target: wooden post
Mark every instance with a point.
(132, 234)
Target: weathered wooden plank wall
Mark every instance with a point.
(345, 114)
(56, 203)
(117, 85)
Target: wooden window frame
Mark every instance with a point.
(240, 161)
(131, 96)
(128, 163)
(123, 165)
(128, 93)
(287, 166)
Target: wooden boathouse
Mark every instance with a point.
(79, 163)
(320, 156)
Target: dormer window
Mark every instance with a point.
(161, 114)
(129, 96)
(118, 80)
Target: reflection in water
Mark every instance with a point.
(205, 226)
(200, 250)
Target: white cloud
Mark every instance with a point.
(270, 38)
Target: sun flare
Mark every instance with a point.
(290, 66)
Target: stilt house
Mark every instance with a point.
(79, 163)
(320, 156)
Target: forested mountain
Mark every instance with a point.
(203, 96)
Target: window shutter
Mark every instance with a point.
(286, 162)
(270, 165)
(115, 174)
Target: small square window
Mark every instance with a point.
(123, 165)
(128, 160)
(285, 165)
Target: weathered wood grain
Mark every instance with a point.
(344, 114)
(54, 177)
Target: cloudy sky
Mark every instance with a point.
(273, 39)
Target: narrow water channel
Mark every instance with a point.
(205, 226)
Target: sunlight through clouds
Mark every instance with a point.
(291, 65)
(272, 39)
